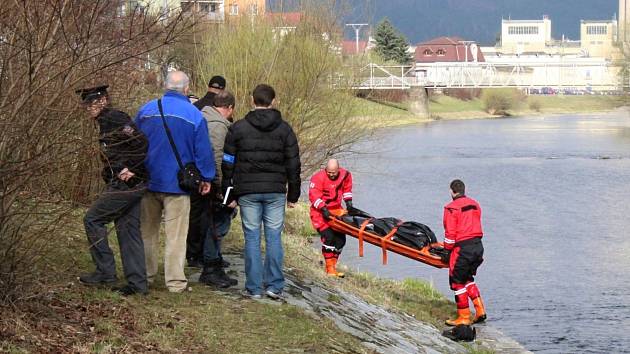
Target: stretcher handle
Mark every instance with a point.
(361, 231)
(384, 241)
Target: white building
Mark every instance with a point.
(519, 36)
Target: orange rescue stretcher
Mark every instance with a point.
(385, 242)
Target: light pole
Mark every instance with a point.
(357, 28)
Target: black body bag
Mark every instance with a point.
(414, 234)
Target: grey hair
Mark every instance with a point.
(176, 81)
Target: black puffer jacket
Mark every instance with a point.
(261, 155)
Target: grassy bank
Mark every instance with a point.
(445, 107)
(66, 316)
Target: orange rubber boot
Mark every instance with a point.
(331, 268)
(480, 310)
(463, 318)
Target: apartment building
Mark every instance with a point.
(212, 10)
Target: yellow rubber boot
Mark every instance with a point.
(463, 318)
(480, 310)
(331, 268)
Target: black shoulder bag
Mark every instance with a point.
(188, 176)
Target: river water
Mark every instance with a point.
(555, 195)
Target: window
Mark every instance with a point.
(187, 6)
(441, 52)
(253, 8)
(428, 52)
(522, 30)
(204, 7)
(213, 7)
(597, 30)
(233, 9)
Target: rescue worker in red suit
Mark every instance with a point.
(462, 240)
(327, 189)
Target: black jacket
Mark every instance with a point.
(122, 146)
(206, 100)
(261, 155)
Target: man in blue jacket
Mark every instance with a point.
(190, 135)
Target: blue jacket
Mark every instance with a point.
(190, 134)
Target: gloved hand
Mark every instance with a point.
(446, 256)
(326, 213)
(349, 204)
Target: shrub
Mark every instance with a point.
(501, 101)
(49, 158)
(300, 65)
(535, 105)
(464, 94)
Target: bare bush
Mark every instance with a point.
(501, 101)
(300, 64)
(48, 154)
(464, 94)
(535, 105)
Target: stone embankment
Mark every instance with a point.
(380, 329)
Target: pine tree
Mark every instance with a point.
(391, 45)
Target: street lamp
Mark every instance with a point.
(357, 28)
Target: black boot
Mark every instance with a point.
(210, 276)
(97, 278)
(223, 275)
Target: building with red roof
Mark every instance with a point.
(448, 49)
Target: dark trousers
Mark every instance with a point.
(120, 204)
(219, 222)
(466, 257)
(197, 226)
(332, 243)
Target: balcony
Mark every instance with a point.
(211, 10)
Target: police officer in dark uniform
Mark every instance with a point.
(123, 150)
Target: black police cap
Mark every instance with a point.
(92, 93)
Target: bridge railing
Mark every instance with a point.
(595, 74)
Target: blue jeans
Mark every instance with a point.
(267, 209)
(218, 226)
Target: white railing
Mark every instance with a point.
(596, 74)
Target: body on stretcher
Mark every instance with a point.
(431, 253)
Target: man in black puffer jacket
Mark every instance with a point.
(261, 157)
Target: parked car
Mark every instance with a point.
(548, 91)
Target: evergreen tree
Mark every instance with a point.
(391, 45)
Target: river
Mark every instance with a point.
(555, 195)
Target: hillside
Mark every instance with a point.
(478, 20)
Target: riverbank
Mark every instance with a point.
(441, 107)
(66, 316)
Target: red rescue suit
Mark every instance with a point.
(324, 192)
(462, 221)
(462, 236)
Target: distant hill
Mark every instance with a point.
(478, 20)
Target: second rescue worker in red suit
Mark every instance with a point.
(462, 238)
(327, 189)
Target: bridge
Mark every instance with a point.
(580, 75)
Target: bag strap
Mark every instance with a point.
(169, 135)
